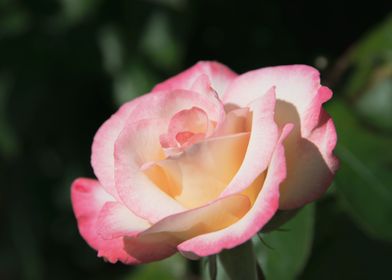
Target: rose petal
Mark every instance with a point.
(162, 106)
(295, 84)
(219, 75)
(300, 98)
(137, 145)
(115, 220)
(172, 230)
(184, 126)
(167, 103)
(88, 198)
(236, 121)
(202, 172)
(263, 138)
(263, 208)
(311, 166)
(102, 159)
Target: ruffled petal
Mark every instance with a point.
(219, 75)
(88, 198)
(171, 231)
(311, 166)
(294, 84)
(115, 220)
(263, 208)
(137, 146)
(150, 106)
(262, 142)
(299, 101)
(102, 154)
(201, 173)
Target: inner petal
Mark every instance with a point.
(236, 120)
(186, 127)
(209, 218)
(201, 172)
(173, 230)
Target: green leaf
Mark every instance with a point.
(160, 44)
(75, 11)
(367, 54)
(212, 267)
(364, 180)
(173, 268)
(239, 262)
(280, 218)
(369, 83)
(112, 49)
(175, 4)
(134, 81)
(8, 141)
(375, 104)
(14, 21)
(290, 249)
(213, 270)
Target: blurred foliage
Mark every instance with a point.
(168, 269)
(370, 84)
(66, 65)
(365, 177)
(283, 253)
(239, 262)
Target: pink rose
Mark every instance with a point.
(204, 161)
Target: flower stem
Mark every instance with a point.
(240, 262)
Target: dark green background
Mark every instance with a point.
(66, 66)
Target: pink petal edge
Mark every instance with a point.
(88, 197)
(219, 75)
(264, 208)
(311, 170)
(263, 138)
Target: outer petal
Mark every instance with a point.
(115, 220)
(88, 198)
(219, 75)
(295, 84)
(138, 146)
(165, 104)
(102, 158)
(311, 166)
(300, 98)
(263, 209)
(169, 232)
(149, 106)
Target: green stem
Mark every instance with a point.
(240, 262)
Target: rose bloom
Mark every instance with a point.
(204, 161)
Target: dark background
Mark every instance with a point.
(66, 66)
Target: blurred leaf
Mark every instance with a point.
(177, 4)
(133, 82)
(76, 10)
(8, 141)
(212, 267)
(239, 262)
(112, 49)
(341, 251)
(14, 21)
(367, 53)
(375, 104)
(364, 180)
(160, 44)
(289, 249)
(207, 270)
(280, 218)
(369, 85)
(173, 268)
